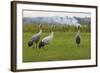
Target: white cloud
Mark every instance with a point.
(30, 13)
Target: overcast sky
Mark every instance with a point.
(28, 13)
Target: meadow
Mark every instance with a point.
(63, 46)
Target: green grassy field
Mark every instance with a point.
(63, 47)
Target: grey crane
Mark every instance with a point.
(46, 40)
(78, 37)
(35, 38)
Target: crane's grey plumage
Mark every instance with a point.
(78, 37)
(46, 40)
(35, 38)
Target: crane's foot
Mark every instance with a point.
(78, 46)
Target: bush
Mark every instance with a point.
(55, 28)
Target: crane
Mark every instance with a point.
(35, 38)
(78, 37)
(46, 40)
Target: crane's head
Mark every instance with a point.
(30, 43)
(41, 44)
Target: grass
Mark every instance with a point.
(63, 47)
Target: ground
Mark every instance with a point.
(63, 47)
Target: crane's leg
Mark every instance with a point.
(36, 45)
(33, 46)
(77, 45)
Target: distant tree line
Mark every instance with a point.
(84, 21)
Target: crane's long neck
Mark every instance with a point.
(52, 34)
(78, 33)
(40, 31)
(40, 26)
